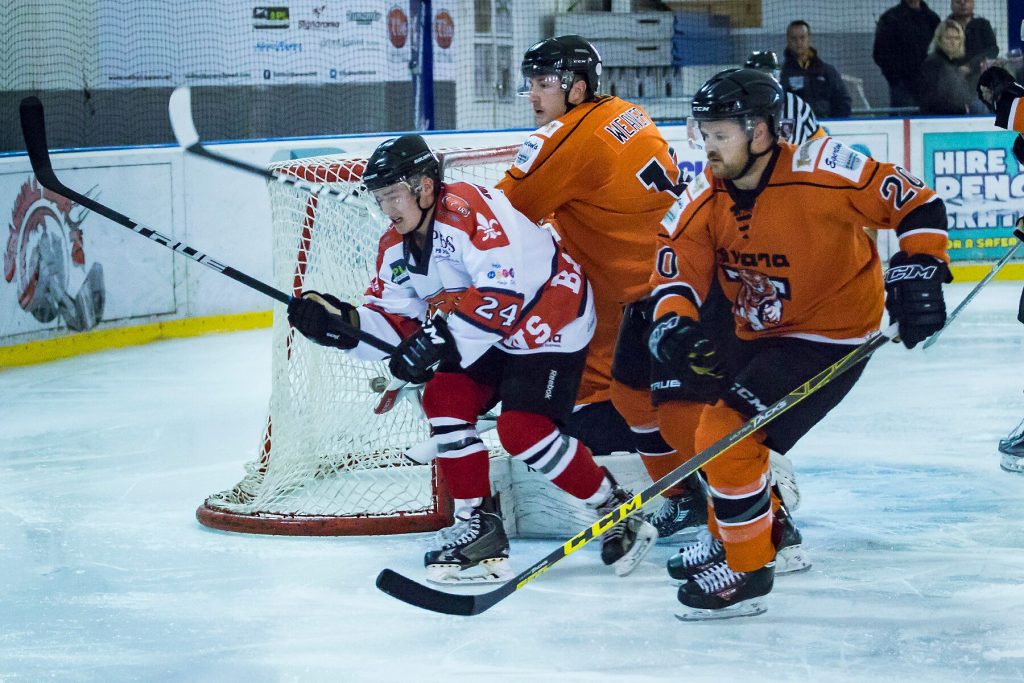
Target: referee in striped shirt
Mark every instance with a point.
(798, 122)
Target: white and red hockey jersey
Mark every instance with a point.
(503, 279)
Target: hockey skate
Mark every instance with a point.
(476, 552)
(1012, 450)
(697, 556)
(625, 544)
(790, 557)
(721, 593)
(680, 517)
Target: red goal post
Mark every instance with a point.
(326, 463)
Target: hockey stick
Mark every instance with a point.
(418, 595)
(1019, 234)
(179, 108)
(33, 128)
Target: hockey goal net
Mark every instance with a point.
(327, 464)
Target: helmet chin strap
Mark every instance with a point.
(751, 158)
(423, 211)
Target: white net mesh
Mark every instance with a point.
(327, 463)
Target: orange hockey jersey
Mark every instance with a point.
(793, 256)
(1010, 113)
(607, 176)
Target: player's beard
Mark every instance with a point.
(724, 171)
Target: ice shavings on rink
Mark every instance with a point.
(916, 538)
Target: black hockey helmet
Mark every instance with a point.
(398, 159)
(742, 94)
(763, 60)
(566, 57)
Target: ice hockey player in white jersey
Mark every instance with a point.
(519, 317)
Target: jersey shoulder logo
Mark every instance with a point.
(806, 154)
(456, 204)
(839, 159)
(528, 153)
(549, 129)
(697, 187)
(489, 233)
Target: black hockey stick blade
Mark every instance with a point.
(33, 128)
(425, 597)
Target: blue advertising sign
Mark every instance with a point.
(982, 184)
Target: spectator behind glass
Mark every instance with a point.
(980, 40)
(949, 89)
(805, 74)
(902, 39)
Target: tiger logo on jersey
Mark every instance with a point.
(760, 298)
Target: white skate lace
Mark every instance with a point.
(443, 537)
(717, 577)
(471, 533)
(701, 550)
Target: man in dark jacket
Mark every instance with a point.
(902, 39)
(805, 74)
(981, 39)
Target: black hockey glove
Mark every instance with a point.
(680, 344)
(322, 319)
(421, 352)
(914, 287)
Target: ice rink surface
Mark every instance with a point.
(916, 535)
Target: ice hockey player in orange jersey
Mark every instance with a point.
(599, 168)
(780, 228)
(1005, 98)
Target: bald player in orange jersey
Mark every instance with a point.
(599, 169)
(779, 227)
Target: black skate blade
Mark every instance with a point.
(748, 608)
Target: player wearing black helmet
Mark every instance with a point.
(521, 315)
(743, 96)
(779, 228)
(1004, 97)
(599, 169)
(560, 73)
(798, 122)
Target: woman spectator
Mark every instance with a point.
(947, 84)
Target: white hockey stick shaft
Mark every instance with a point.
(180, 111)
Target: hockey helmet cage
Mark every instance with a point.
(398, 159)
(742, 94)
(565, 57)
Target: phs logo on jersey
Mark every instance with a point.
(760, 299)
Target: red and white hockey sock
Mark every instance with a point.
(535, 440)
